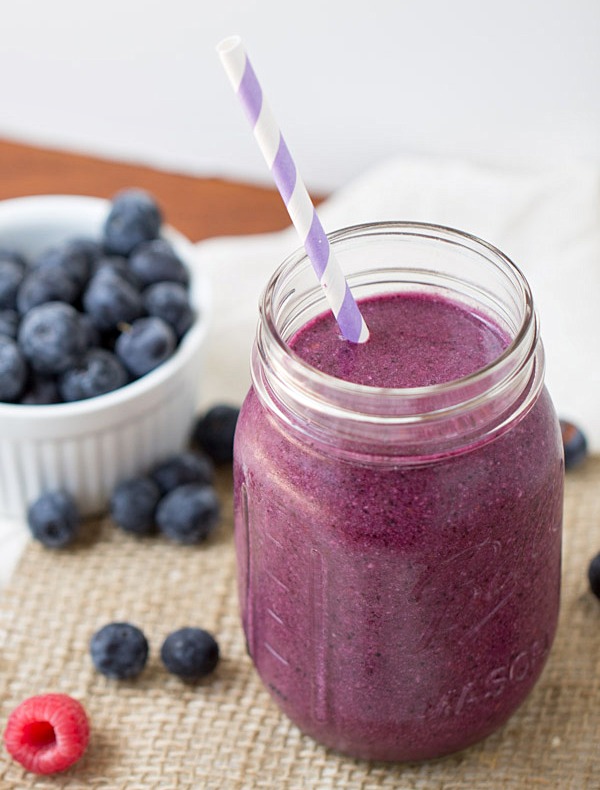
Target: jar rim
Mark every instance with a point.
(424, 422)
(401, 228)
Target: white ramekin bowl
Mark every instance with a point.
(86, 447)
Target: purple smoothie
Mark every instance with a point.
(399, 611)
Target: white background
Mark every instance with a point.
(350, 82)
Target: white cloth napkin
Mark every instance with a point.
(546, 220)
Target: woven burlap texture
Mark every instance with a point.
(156, 732)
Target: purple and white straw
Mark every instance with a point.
(291, 188)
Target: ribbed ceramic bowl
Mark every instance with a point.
(86, 447)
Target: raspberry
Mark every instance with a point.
(47, 733)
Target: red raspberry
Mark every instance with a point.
(47, 733)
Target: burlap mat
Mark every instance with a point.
(225, 732)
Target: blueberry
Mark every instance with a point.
(45, 285)
(133, 505)
(40, 390)
(11, 276)
(54, 519)
(51, 337)
(110, 300)
(119, 265)
(574, 443)
(214, 432)
(183, 468)
(145, 345)
(190, 653)
(9, 323)
(70, 258)
(188, 513)
(156, 261)
(119, 650)
(92, 249)
(594, 575)
(91, 333)
(96, 372)
(12, 254)
(134, 217)
(170, 302)
(108, 339)
(13, 370)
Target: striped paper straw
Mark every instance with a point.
(291, 188)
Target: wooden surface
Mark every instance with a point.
(198, 207)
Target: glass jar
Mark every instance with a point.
(399, 549)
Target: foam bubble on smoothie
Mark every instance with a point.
(417, 339)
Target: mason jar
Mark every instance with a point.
(399, 548)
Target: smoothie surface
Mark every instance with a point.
(416, 339)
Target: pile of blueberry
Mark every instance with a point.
(88, 316)
(120, 651)
(176, 497)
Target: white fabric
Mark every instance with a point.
(13, 538)
(546, 220)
